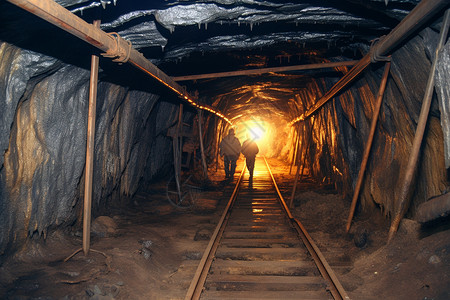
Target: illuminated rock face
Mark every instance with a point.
(338, 142)
(341, 127)
(17, 68)
(44, 136)
(44, 161)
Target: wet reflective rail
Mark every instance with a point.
(260, 251)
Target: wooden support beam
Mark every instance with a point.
(294, 188)
(266, 70)
(373, 126)
(295, 145)
(416, 18)
(301, 167)
(177, 141)
(89, 168)
(405, 188)
(200, 136)
(438, 207)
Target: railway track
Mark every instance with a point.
(259, 251)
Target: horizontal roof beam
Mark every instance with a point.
(266, 70)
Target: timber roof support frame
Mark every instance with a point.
(405, 194)
(112, 44)
(416, 18)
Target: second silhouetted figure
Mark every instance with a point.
(250, 149)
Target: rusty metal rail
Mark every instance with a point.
(260, 251)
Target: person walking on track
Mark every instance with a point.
(250, 149)
(230, 149)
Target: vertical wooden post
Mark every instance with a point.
(178, 150)
(180, 130)
(405, 188)
(291, 202)
(296, 142)
(90, 151)
(373, 126)
(200, 135)
(219, 139)
(299, 173)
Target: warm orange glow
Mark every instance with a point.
(255, 130)
(269, 132)
(257, 210)
(299, 118)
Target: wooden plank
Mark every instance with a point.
(248, 205)
(259, 222)
(244, 295)
(259, 228)
(264, 195)
(256, 235)
(287, 240)
(259, 198)
(265, 282)
(251, 267)
(261, 243)
(250, 215)
(258, 216)
(261, 253)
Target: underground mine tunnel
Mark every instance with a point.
(103, 102)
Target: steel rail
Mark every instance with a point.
(196, 286)
(416, 18)
(112, 44)
(266, 70)
(336, 288)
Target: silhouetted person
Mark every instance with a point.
(230, 148)
(250, 149)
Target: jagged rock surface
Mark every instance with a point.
(44, 138)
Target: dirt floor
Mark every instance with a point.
(151, 250)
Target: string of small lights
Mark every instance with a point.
(168, 82)
(298, 119)
(207, 108)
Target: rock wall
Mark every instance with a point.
(341, 129)
(43, 143)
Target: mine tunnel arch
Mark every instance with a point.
(337, 129)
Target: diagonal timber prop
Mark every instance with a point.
(424, 11)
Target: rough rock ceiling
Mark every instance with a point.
(179, 28)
